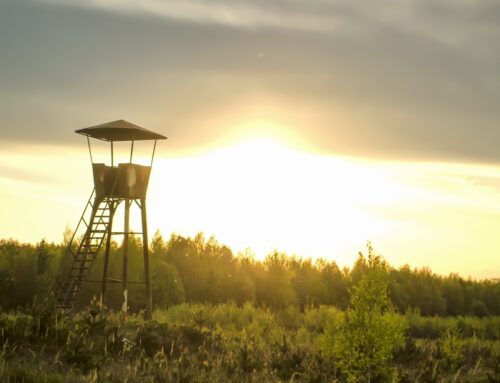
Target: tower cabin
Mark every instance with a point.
(126, 180)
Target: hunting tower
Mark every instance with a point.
(115, 185)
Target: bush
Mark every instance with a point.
(369, 331)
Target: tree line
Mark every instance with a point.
(185, 269)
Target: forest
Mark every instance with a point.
(221, 317)
(200, 270)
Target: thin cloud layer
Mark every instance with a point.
(454, 22)
(228, 13)
(412, 79)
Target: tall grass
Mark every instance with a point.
(227, 343)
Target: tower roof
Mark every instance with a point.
(120, 130)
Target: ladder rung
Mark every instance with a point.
(86, 254)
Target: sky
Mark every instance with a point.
(305, 126)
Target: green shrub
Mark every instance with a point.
(369, 332)
(453, 348)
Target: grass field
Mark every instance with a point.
(226, 342)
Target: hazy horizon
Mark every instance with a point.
(309, 127)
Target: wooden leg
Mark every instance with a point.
(145, 245)
(125, 256)
(106, 253)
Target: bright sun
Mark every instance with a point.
(262, 193)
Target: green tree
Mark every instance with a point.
(167, 285)
(369, 332)
(336, 283)
(275, 287)
(42, 257)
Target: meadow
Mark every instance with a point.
(225, 318)
(226, 342)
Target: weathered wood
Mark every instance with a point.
(145, 242)
(106, 254)
(125, 256)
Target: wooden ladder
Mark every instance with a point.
(86, 253)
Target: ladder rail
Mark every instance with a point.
(79, 264)
(82, 219)
(86, 254)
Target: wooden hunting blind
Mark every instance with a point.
(125, 183)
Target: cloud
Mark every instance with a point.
(452, 22)
(32, 176)
(239, 14)
(412, 79)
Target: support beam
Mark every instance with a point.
(106, 252)
(145, 249)
(125, 256)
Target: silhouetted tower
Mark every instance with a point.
(125, 184)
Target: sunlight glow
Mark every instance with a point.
(264, 192)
